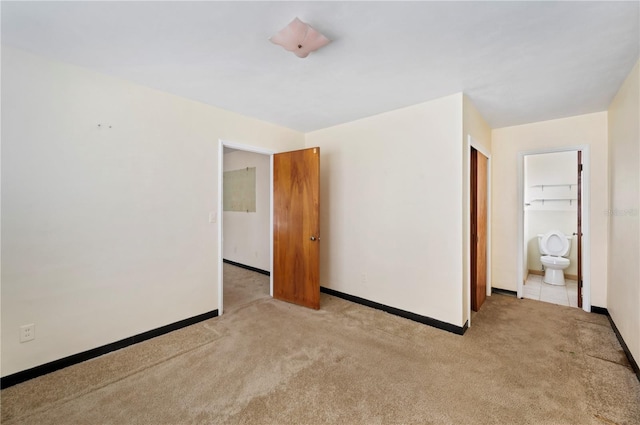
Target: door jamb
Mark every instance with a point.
(472, 143)
(586, 219)
(221, 145)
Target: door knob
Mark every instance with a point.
(313, 238)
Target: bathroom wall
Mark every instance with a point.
(246, 234)
(543, 216)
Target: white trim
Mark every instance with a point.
(472, 143)
(489, 286)
(520, 235)
(220, 227)
(271, 225)
(248, 148)
(467, 224)
(221, 145)
(586, 218)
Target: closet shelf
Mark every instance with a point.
(543, 200)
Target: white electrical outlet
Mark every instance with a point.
(27, 332)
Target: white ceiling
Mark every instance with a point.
(519, 62)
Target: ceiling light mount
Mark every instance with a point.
(300, 38)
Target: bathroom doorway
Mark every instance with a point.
(552, 186)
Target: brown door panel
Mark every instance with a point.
(296, 227)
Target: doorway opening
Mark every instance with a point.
(294, 222)
(478, 270)
(245, 220)
(553, 228)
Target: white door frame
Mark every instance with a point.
(586, 218)
(221, 145)
(472, 143)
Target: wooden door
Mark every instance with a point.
(478, 219)
(578, 234)
(296, 227)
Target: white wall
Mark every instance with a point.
(391, 208)
(247, 235)
(541, 217)
(624, 212)
(105, 231)
(591, 130)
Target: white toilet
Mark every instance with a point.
(554, 247)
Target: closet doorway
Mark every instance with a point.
(478, 225)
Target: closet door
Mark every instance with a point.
(478, 229)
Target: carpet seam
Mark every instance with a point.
(606, 325)
(602, 418)
(70, 398)
(610, 361)
(243, 306)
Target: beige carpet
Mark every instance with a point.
(269, 362)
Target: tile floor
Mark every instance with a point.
(536, 289)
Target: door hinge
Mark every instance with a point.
(581, 284)
(580, 168)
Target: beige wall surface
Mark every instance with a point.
(247, 234)
(105, 230)
(391, 208)
(474, 125)
(591, 130)
(624, 211)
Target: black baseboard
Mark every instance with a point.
(504, 292)
(599, 310)
(397, 312)
(625, 348)
(244, 266)
(25, 375)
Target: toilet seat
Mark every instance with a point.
(555, 243)
(550, 260)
